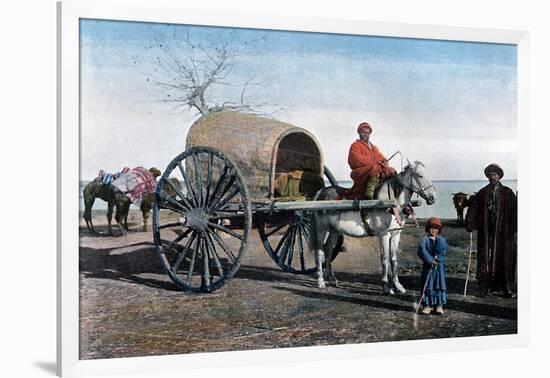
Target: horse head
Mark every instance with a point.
(415, 179)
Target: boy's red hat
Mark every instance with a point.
(434, 222)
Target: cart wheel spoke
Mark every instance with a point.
(282, 243)
(289, 250)
(206, 278)
(182, 254)
(198, 184)
(223, 245)
(301, 248)
(214, 254)
(173, 187)
(208, 179)
(225, 229)
(169, 225)
(276, 229)
(220, 204)
(192, 263)
(217, 199)
(181, 236)
(219, 183)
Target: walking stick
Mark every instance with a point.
(423, 290)
(468, 269)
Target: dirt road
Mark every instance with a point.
(129, 306)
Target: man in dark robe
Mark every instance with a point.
(493, 213)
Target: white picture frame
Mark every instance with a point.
(69, 14)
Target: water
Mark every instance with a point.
(442, 208)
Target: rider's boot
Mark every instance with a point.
(371, 186)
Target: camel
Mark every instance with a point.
(115, 199)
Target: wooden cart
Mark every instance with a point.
(227, 182)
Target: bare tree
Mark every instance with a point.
(201, 75)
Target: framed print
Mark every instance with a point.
(268, 189)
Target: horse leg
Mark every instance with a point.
(145, 209)
(394, 244)
(126, 212)
(145, 215)
(109, 217)
(119, 216)
(384, 242)
(315, 240)
(319, 259)
(329, 247)
(89, 200)
(88, 217)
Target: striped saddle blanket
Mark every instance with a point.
(136, 183)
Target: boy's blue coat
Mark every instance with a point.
(427, 251)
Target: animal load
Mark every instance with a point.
(297, 185)
(136, 183)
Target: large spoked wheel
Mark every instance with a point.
(201, 219)
(285, 238)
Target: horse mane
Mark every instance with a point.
(395, 183)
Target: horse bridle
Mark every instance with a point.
(422, 190)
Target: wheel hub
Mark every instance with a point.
(196, 219)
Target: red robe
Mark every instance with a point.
(365, 161)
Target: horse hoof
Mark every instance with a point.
(400, 289)
(321, 285)
(387, 289)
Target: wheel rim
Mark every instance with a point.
(201, 219)
(286, 242)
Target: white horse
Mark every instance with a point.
(380, 223)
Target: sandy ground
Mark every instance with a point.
(130, 307)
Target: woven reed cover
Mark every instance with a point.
(260, 147)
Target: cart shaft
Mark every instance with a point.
(326, 205)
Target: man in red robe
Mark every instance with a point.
(368, 165)
(493, 213)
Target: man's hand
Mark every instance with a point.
(389, 171)
(435, 263)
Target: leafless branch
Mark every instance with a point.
(191, 73)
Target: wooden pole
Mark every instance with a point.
(468, 269)
(423, 290)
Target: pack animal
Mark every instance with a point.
(378, 222)
(460, 201)
(118, 200)
(115, 199)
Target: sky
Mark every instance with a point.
(451, 105)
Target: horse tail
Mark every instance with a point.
(318, 223)
(314, 240)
